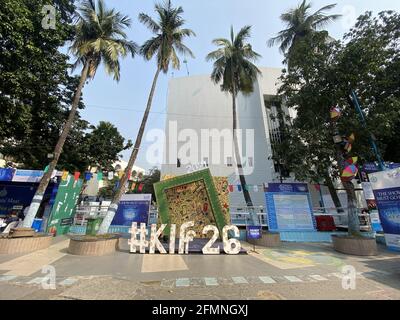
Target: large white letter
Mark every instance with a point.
(154, 241)
(207, 249)
(185, 237)
(229, 242)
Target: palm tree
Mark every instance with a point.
(165, 45)
(300, 23)
(100, 37)
(234, 69)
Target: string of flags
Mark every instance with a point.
(254, 188)
(100, 175)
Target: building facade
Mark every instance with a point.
(199, 132)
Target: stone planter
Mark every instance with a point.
(11, 245)
(21, 232)
(93, 245)
(268, 239)
(355, 246)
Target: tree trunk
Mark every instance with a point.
(333, 193)
(122, 188)
(242, 178)
(44, 182)
(353, 219)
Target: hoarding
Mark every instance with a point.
(386, 187)
(132, 208)
(289, 207)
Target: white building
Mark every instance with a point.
(196, 104)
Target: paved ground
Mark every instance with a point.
(293, 271)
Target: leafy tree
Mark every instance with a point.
(148, 181)
(35, 87)
(165, 46)
(104, 145)
(100, 37)
(323, 76)
(299, 24)
(234, 69)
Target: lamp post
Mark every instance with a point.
(354, 101)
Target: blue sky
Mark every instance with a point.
(123, 103)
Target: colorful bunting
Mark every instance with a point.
(335, 113)
(352, 138)
(110, 175)
(129, 175)
(46, 169)
(54, 174)
(255, 188)
(239, 187)
(352, 160)
(77, 175)
(348, 147)
(140, 188)
(99, 176)
(230, 188)
(133, 186)
(120, 174)
(88, 175)
(349, 173)
(64, 175)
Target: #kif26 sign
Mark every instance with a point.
(230, 246)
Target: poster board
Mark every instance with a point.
(62, 214)
(289, 207)
(132, 208)
(386, 187)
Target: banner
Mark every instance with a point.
(27, 176)
(289, 207)
(18, 195)
(6, 174)
(386, 186)
(62, 214)
(132, 208)
(372, 207)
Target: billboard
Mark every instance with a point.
(61, 216)
(386, 187)
(289, 207)
(132, 208)
(27, 176)
(6, 174)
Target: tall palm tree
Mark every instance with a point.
(100, 38)
(234, 69)
(300, 23)
(165, 46)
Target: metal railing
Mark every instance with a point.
(240, 216)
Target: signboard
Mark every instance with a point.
(289, 207)
(61, 215)
(132, 208)
(386, 186)
(372, 207)
(27, 176)
(254, 232)
(6, 174)
(373, 167)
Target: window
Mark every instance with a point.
(205, 161)
(229, 161)
(178, 163)
(250, 162)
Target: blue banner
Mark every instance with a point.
(289, 207)
(254, 232)
(373, 167)
(132, 208)
(6, 174)
(386, 186)
(288, 187)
